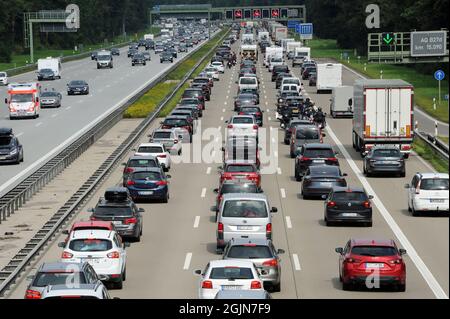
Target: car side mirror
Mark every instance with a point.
(402, 251)
(324, 196)
(6, 101)
(339, 250)
(280, 251)
(370, 196)
(169, 176)
(115, 298)
(345, 174)
(65, 232)
(102, 277)
(324, 135)
(350, 102)
(126, 244)
(274, 210)
(61, 244)
(198, 272)
(220, 168)
(407, 186)
(216, 190)
(91, 210)
(124, 164)
(141, 210)
(223, 149)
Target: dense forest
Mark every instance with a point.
(340, 19)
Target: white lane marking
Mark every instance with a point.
(203, 192)
(296, 262)
(268, 110)
(196, 221)
(223, 110)
(283, 192)
(225, 103)
(208, 170)
(279, 171)
(288, 222)
(187, 261)
(54, 115)
(267, 103)
(39, 124)
(227, 98)
(265, 97)
(269, 118)
(228, 92)
(221, 118)
(273, 139)
(68, 108)
(275, 154)
(412, 253)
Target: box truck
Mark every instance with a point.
(284, 43)
(329, 75)
(149, 37)
(342, 102)
(292, 45)
(281, 33)
(300, 55)
(272, 52)
(383, 113)
(50, 63)
(263, 36)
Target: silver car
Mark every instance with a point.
(263, 255)
(243, 294)
(246, 216)
(83, 291)
(51, 99)
(168, 138)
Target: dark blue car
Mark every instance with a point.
(147, 184)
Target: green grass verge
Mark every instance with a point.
(430, 155)
(151, 99)
(426, 87)
(444, 139)
(19, 60)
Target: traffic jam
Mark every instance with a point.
(248, 262)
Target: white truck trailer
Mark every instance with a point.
(329, 75)
(342, 102)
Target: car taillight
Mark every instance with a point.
(255, 285)
(255, 127)
(268, 228)
(395, 261)
(130, 183)
(230, 126)
(331, 204)
(406, 147)
(271, 263)
(32, 294)
(207, 284)
(66, 255)
(351, 260)
(220, 227)
(304, 159)
(161, 183)
(241, 113)
(162, 156)
(332, 159)
(129, 170)
(114, 254)
(130, 221)
(258, 113)
(366, 204)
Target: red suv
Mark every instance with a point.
(369, 262)
(235, 170)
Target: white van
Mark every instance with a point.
(248, 82)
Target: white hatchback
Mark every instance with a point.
(102, 249)
(242, 125)
(213, 73)
(218, 66)
(428, 192)
(227, 275)
(155, 149)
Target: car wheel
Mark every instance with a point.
(124, 274)
(402, 174)
(347, 286)
(276, 288)
(179, 152)
(21, 159)
(401, 287)
(292, 155)
(406, 156)
(119, 284)
(414, 212)
(328, 223)
(298, 178)
(165, 200)
(368, 224)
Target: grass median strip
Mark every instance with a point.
(430, 155)
(152, 98)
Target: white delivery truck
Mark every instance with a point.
(383, 113)
(284, 43)
(247, 38)
(249, 51)
(149, 36)
(53, 64)
(24, 100)
(292, 45)
(329, 75)
(281, 33)
(272, 52)
(300, 55)
(342, 102)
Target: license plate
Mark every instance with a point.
(244, 227)
(374, 265)
(389, 162)
(240, 176)
(319, 161)
(145, 193)
(231, 288)
(117, 222)
(92, 261)
(2, 157)
(326, 184)
(349, 214)
(437, 201)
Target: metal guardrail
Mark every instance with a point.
(10, 273)
(437, 145)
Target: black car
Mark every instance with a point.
(131, 52)
(312, 79)
(135, 162)
(46, 74)
(279, 69)
(166, 56)
(384, 160)
(348, 204)
(194, 93)
(290, 127)
(149, 45)
(309, 70)
(171, 122)
(253, 110)
(244, 99)
(11, 151)
(115, 51)
(235, 186)
(77, 87)
(314, 154)
(319, 180)
(246, 70)
(94, 55)
(118, 208)
(138, 58)
(205, 89)
(255, 92)
(173, 52)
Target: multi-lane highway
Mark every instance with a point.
(179, 237)
(56, 128)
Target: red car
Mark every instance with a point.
(236, 170)
(369, 262)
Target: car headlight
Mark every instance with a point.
(13, 151)
(85, 89)
(280, 100)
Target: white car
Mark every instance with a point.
(210, 71)
(428, 192)
(227, 275)
(3, 78)
(275, 61)
(169, 138)
(218, 66)
(102, 249)
(248, 82)
(158, 150)
(80, 291)
(240, 125)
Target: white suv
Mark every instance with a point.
(102, 249)
(218, 66)
(428, 192)
(242, 125)
(3, 78)
(158, 150)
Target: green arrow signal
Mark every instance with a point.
(388, 38)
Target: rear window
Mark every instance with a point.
(250, 109)
(189, 102)
(374, 251)
(249, 252)
(90, 245)
(237, 188)
(231, 273)
(191, 93)
(43, 279)
(349, 197)
(307, 133)
(113, 211)
(149, 176)
(434, 184)
(324, 171)
(247, 81)
(150, 149)
(5, 141)
(386, 153)
(142, 163)
(318, 153)
(243, 120)
(162, 135)
(245, 208)
(240, 168)
(176, 122)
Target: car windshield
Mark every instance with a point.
(191, 93)
(21, 98)
(150, 149)
(43, 279)
(176, 122)
(349, 197)
(231, 273)
(201, 81)
(386, 153)
(247, 81)
(239, 188)
(240, 169)
(276, 60)
(149, 176)
(374, 251)
(309, 133)
(2, 74)
(243, 120)
(162, 135)
(113, 211)
(189, 102)
(434, 184)
(245, 209)
(5, 140)
(318, 153)
(319, 171)
(46, 71)
(49, 94)
(89, 244)
(249, 252)
(77, 83)
(103, 57)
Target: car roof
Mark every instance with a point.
(230, 263)
(60, 267)
(327, 168)
(73, 290)
(92, 223)
(372, 242)
(242, 116)
(239, 162)
(149, 144)
(318, 145)
(254, 196)
(241, 294)
(145, 157)
(356, 189)
(434, 175)
(163, 130)
(256, 241)
(91, 233)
